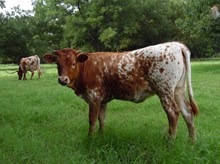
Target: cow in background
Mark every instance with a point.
(215, 12)
(100, 77)
(31, 64)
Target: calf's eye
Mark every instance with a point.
(73, 65)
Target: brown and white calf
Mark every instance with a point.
(100, 77)
(30, 63)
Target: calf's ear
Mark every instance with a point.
(50, 58)
(82, 58)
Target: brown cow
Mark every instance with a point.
(30, 63)
(100, 77)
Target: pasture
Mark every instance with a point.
(43, 122)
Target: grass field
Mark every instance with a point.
(43, 122)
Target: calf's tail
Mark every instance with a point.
(186, 53)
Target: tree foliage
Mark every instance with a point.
(197, 27)
(2, 4)
(15, 36)
(118, 25)
(108, 25)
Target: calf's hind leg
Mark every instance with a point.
(101, 117)
(172, 111)
(186, 111)
(39, 74)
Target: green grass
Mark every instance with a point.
(43, 122)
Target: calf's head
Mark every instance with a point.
(20, 73)
(67, 61)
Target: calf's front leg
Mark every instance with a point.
(24, 78)
(94, 109)
(32, 74)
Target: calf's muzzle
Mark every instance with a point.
(63, 80)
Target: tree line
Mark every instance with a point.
(108, 25)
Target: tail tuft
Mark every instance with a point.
(194, 106)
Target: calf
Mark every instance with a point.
(100, 77)
(30, 63)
